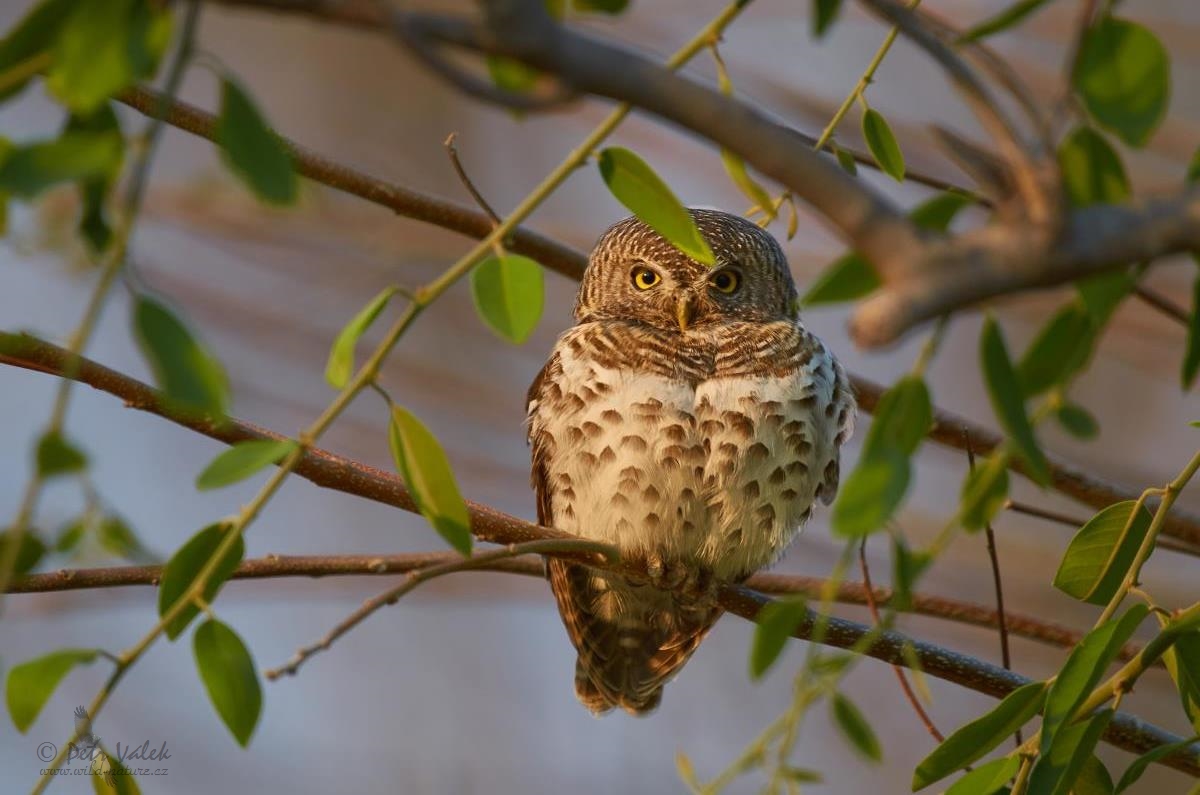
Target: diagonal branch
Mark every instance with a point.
(487, 524)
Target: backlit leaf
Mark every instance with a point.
(1100, 554)
(1008, 401)
(185, 565)
(508, 295)
(31, 684)
(882, 143)
(243, 460)
(227, 670)
(636, 186)
(341, 354)
(426, 471)
(775, 623)
(987, 779)
(33, 35)
(252, 149)
(1123, 74)
(977, 738)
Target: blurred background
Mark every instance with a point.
(466, 686)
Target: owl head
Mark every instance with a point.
(635, 275)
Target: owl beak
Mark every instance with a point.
(685, 310)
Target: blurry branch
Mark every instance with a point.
(948, 429)
(316, 566)
(1151, 298)
(328, 470)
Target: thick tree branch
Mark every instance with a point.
(487, 524)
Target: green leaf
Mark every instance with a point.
(227, 670)
(422, 464)
(103, 48)
(56, 456)
(855, 728)
(1002, 20)
(882, 144)
(33, 35)
(70, 535)
(1191, 357)
(1093, 779)
(825, 12)
(31, 684)
(846, 159)
(871, 494)
(902, 418)
(849, 278)
(636, 186)
(1057, 768)
(1123, 74)
(1060, 350)
(907, 568)
(251, 148)
(511, 75)
(936, 213)
(1139, 765)
(775, 623)
(184, 566)
(243, 460)
(94, 192)
(601, 6)
(508, 295)
(984, 491)
(30, 169)
(987, 779)
(1008, 401)
(120, 781)
(31, 552)
(1077, 420)
(1182, 661)
(735, 167)
(1082, 671)
(116, 536)
(188, 375)
(977, 738)
(1100, 554)
(341, 355)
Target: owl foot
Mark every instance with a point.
(692, 583)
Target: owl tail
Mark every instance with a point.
(631, 638)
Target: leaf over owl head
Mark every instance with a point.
(636, 274)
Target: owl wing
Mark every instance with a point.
(843, 409)
(630, 638)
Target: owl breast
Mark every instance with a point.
(688, 460)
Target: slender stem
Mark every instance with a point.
(1022, 782)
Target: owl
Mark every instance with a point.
(689, 419)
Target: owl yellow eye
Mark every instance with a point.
(644, 278)
(727, 281)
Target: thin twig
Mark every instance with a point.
(418, 576)
(452, 151)
(1005, 655)
(900, 675)
(1160, 303)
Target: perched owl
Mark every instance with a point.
(691, 420)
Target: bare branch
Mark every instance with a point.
(452, 152)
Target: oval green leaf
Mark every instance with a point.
(1008, 401)
(636, 186)
(1003, 20)
(1078, 421)
(184, 566)
(1191, 356)
(1060, 350)
(1100, 554)
(1123, 74)
(118, 538)
(33, 35)
(426, 471)
(508, 295)
(1058, 769)
(243, 460)
(825, 12)
(188, 375)
(855, 729)
(977, 738)
(31, 551)
(57, 456)
(29, 169)
(882, 143)
(902, 418)
(1139, 765)
(251, 148)
(988, 778)
(774, 624)
(871, 494)
(849, 278)
(31, 684)
(341, 354)
(227, 670)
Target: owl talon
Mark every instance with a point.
(699, 589)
